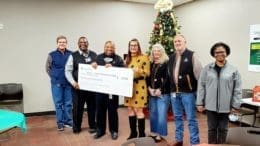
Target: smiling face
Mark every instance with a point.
(62, 44)
(156, 53)
(83, 44)
(220, 54)
(179, 43)
(109, 48)
(134, 47)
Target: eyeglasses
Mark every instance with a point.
(220, 52)
(62, 42)
(133, 45)
(82, 42)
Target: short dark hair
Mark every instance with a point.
(219, 44)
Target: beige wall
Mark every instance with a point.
(206, 22)
(31, 27)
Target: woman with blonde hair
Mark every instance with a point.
(141, 68)
(159, 92)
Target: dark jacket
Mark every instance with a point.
(158, 78)
(114, 60)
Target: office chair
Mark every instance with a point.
(247, 109)
(243, 136)
(11, 97)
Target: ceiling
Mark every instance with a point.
(175, 2)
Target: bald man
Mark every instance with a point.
(183, 70)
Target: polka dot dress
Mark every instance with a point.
(140, 94)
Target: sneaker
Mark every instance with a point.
(60, 128)
(68, 126)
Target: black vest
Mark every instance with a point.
(186, 79)
(78, 58)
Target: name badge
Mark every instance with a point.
(88, 59)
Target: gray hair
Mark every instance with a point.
(164, 57)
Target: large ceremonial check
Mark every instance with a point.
(111, 80)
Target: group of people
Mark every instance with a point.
(63, 67)
(178, 79)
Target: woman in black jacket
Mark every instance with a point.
(159, 92)
(108, 102)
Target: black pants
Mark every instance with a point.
(103, 104)
(217, 127)
(79, 99)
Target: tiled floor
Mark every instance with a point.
(42, 131)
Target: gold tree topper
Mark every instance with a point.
(163, 5)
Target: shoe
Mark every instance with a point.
(158, 139)
(152, 136)
(132, 135)
(92, 130)
(68, 126)
(98, 135)
(60, 128)
(76, 131)
(114, 135)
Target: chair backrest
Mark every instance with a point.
(143, 141)
(243, 136)
(247, 93)
(11, 96)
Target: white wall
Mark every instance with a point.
(31, 27)
(206, 22)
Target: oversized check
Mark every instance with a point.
(111, 80)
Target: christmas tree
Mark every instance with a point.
(165, 28)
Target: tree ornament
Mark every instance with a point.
(163, 5)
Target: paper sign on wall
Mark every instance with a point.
(254, 62)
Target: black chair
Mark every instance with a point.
(11, 97)
(247, 109)
(243, 136)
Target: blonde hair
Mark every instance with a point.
(164, 57)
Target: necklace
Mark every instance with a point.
(154, 71)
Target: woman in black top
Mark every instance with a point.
(159, 91)
(108, 102)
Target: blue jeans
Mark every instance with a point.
(185, 102)
(158, 107)
(62, 97)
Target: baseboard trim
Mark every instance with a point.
(40, 113)
(52, 112)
